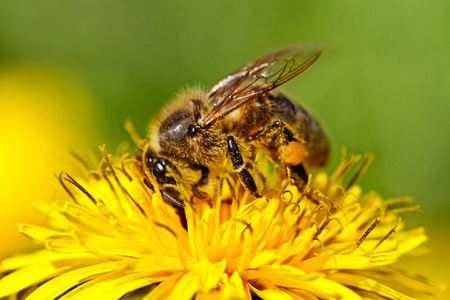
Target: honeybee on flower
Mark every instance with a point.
(193, 135)
(116, 232)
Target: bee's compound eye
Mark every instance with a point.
(173, 131)
(149, 162)
(193, 130)
(162, 170)
(159, 166)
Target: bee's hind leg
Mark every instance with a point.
(291, 151)
(299, 173)
(239, 166)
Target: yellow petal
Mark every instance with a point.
(364, 283)
(157, 262)
(28, 276)
(88, 220)
(37, 233)
(165, 288)
(270, 292)
(262, 258)
(411, 239)
(234, 288)
(328, 262)
(291, 248)
(322, 288)
(62, 283)
(64, 244)
(185, 288)
(53, 217)
(278, 271)
(112, 288)
(208, 273)
(300, 294)
(39, 257)
(105, 245)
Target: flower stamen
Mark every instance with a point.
(71, 180)
(363, 237)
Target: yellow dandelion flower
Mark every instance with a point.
(113, 237)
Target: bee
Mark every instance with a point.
(238, 116)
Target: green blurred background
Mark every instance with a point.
(382, 84)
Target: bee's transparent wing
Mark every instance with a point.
(256, 78)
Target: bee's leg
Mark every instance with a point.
(291, 151)
(158, 166)
(204, 180)
(176, 202)
(299, 172)
(238, 166)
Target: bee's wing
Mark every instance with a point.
(256, 78)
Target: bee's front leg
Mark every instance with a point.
(166, 195)
(239, 166)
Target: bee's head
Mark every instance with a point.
(180, 126)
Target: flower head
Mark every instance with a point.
(112, 236)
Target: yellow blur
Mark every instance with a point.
(39, 122)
